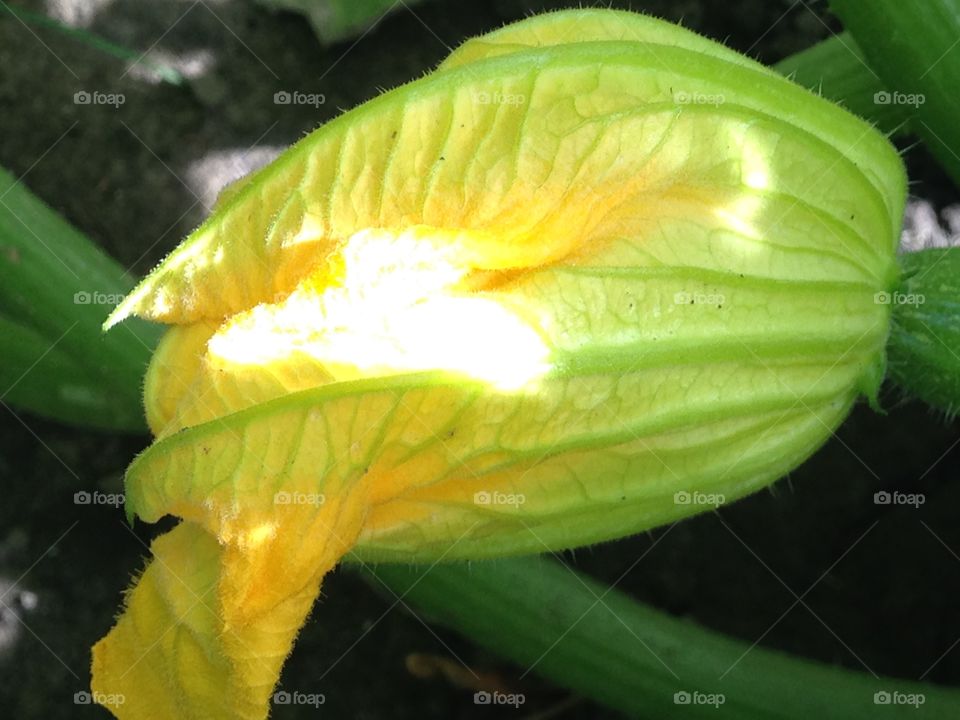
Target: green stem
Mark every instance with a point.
(600, 643)
(924, 345)
(913, 47)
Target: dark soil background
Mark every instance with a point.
(879, 584)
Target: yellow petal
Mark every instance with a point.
(209, 623)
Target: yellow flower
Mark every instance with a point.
(594, 274)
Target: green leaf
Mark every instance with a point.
(913, 47)
(836, 68)
(56, 288)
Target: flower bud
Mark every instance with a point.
(554, 293)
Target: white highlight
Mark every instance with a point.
(76, 13)
(207, 176)
(191, 64)
(391, 305)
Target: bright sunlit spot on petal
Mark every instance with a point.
(160, 303)
(260, 534)
(757, 178)
(740, 215)
(756, 160)
(755, 168)
(311, 229)
(389, 304)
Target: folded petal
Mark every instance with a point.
(209, 623)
